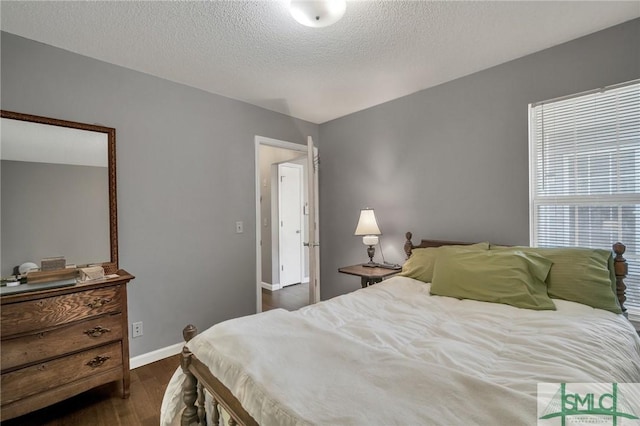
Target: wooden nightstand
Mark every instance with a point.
(368, 275)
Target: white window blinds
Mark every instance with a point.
(585, 174)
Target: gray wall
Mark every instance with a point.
(185, 170)
(42, 218)
(452, 161)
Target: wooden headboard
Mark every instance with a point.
(621, 268)
(408, 245)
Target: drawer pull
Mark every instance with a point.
(98, 302)
(97, 361)
(97, 331)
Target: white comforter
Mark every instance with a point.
(393, 354)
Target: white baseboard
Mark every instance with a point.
(153, 356)
(274, 287)
(271, 287)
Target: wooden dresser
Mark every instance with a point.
(57, 343)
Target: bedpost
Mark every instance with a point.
(189, 387)
(408, 245)
(621, 269)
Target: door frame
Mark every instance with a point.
(261, 140)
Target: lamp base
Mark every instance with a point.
(371, 251)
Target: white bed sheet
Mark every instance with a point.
(394, 354)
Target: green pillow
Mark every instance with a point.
(581, 275)
(513, 278)
(420, 265)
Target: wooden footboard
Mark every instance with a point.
(198, 378)
(621, 268)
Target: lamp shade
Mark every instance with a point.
(317, 13)
(367, 224)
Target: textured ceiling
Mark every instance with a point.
(257, 53)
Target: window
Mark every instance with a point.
(585, 174)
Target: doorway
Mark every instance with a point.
(282, 258)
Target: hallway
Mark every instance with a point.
(290, 298)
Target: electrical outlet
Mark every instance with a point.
(136, 329)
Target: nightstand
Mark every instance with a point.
(368, 275)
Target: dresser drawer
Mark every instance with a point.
(38, 314)
(59, 341)
(29, 381)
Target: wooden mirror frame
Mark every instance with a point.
(111, 266)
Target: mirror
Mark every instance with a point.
(57, 192)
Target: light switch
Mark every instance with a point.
(239, 227)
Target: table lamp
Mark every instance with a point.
(368, 227)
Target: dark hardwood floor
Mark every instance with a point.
(103, 406)
(290, 298)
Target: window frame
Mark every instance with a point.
(573, 200)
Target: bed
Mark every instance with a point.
(402, 352)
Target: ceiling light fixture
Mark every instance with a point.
(317, 13)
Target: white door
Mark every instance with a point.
(290, 207)
(312, 225)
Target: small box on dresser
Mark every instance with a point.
(57, 343)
